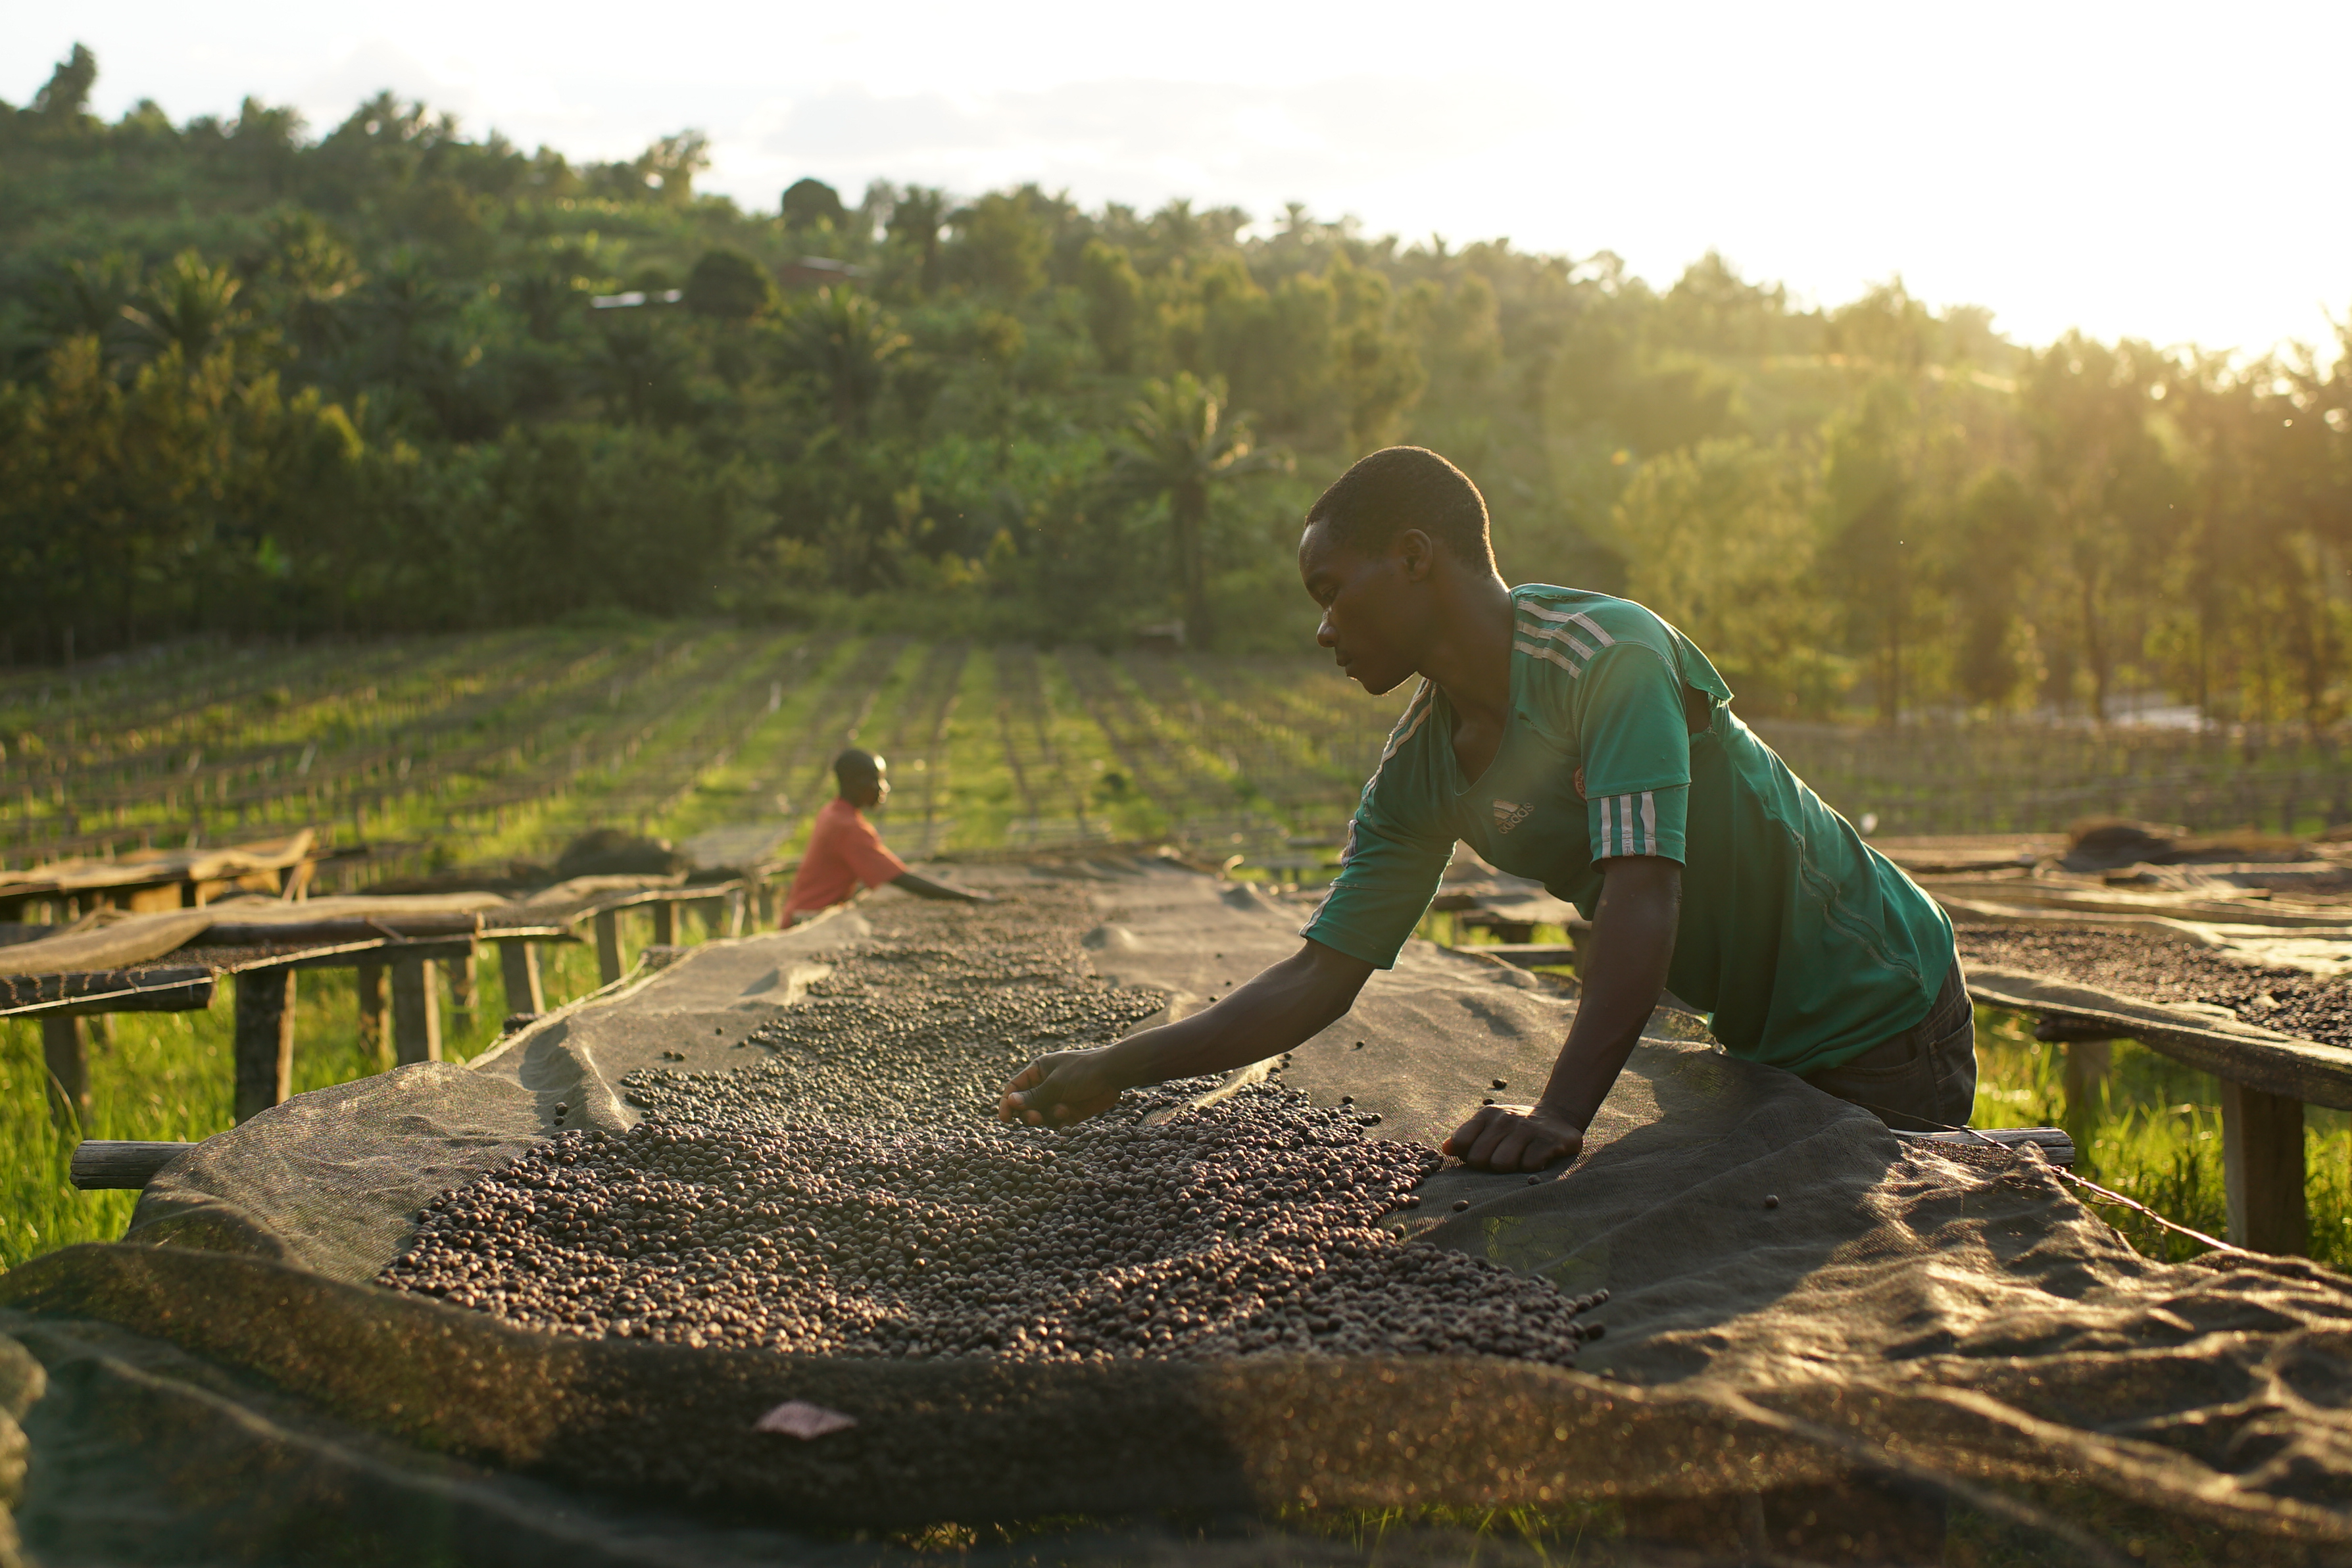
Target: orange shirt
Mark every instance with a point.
(844, 849)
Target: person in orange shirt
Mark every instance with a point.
(845, 851)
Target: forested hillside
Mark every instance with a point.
(395, 378)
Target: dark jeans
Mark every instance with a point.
(1925, 1079)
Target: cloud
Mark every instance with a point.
(1134, 140)
(328, 99)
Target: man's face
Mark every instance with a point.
(1373, 610)
(866, 797)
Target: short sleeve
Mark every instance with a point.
(863, 848)
(1635, 752)
(1386, 881)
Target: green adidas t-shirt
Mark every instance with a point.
(1806, 945)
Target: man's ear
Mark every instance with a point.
(1417, 553)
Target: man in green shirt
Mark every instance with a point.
(1579, 740)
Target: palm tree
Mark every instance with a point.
(1179, 447)
(191, 307)
(847, 341)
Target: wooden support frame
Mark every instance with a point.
(464, 976)
(116, 1165)
(519, 965)
(2262, 1165)
(162, 988)
(416, 1011)
(2089, 1061)
(374, 1039)
(2263, 1083)
(666, 924)
(608, 946)
(68, 1064)
(264, 1047)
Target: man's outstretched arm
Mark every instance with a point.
(922, 887)
(1632, 945)
(1287, 1005)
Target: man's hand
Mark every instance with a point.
(1058, 1089)
(923, 887)
(1515, 1138)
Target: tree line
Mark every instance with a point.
(398, 378)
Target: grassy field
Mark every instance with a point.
(442, 752)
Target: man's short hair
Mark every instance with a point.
(1399, 488)
(854, 768)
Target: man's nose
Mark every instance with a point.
(1324, 636)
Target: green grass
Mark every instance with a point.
(166, 1076)
(2151, 1129)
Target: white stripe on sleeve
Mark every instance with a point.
(1552, 653)
(1590, 625)
(1649, 822)
(1554, 634)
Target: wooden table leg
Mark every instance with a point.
(368, 978)
(519, 961)
(608, 947)
(2088, 1062)
(735, 903)
(264, 1040)
(61, 1053)
(465, 983)
(666, 924)
(416, 1011)
(2262, 1162)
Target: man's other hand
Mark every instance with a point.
(923, 887)
(1058, 1089)
(1514, 1138)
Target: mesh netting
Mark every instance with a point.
(1908, 1352)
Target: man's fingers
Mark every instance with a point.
(1508, 1138)
(1459, 1141)
(1516, 1144)
(1491, 1139)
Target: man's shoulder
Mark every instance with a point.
(1596, 620)
(838, 815)
(1569, 628)
(1563, 631)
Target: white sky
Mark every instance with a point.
(2156, 170)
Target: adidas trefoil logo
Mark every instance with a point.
(1509, 813)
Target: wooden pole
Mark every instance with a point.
(61, 1053)
(111, 1165)
(374, 1041)
(666, 924)
(2261, 1162)
(264, 1040)
(519, 961)
(608, 946)
(465, 984)
(2088, 1062)
(416, 1011)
